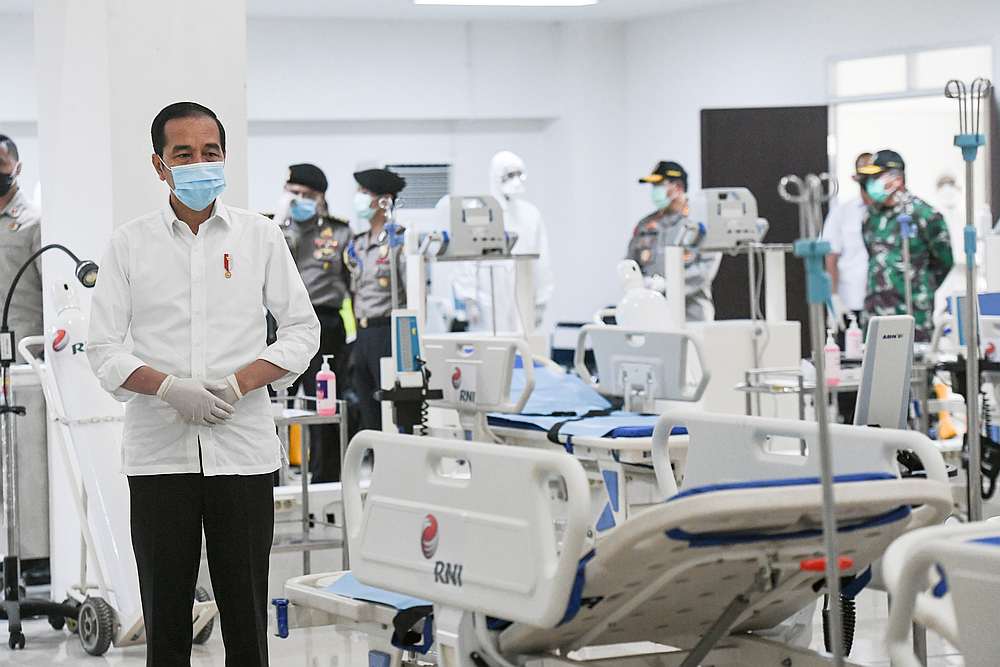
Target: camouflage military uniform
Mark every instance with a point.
(654, 232)
(930, 259)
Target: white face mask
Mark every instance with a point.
(513, 185)
(363, 205)
(949, 196)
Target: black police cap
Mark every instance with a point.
(885, 160)
(380, 181)
(308, 175)
(665, 169)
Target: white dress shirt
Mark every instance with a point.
(163, 299)
(843, 231)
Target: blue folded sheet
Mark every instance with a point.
(349, 587)
(556, 393)
(559, 397)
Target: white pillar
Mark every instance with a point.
(104, 68)
(774, 281)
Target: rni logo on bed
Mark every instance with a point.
(60, 340)
(444, 573)
(464, 395)
(429, 536)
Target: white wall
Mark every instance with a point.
(591, 106)
(18, 99)
(767, 53)
(370, 92)
(346, 93)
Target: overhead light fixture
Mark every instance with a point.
(508, 3)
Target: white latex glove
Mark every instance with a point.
(282, 207)
(228, 389)
(840, 311)
(657, 283)
(472, 313)
(539, 315)
(195, 403)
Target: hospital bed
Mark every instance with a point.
(737, 549)
(539, 405)
(946, 578)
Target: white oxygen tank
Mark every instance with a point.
(640, 308)
(92, 432)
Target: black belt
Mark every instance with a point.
(329, 311)
(370, 322)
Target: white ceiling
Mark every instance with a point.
(604, 10)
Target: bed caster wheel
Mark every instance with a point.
(16, 641)
(57, 622)
(201, 595)
(96, 626)
(71, 623)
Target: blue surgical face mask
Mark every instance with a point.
(363, 205)
(875, 188)
(197, 185)
(661, 198)
(302, 209)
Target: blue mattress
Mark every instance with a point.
(618, 424)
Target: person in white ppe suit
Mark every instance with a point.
(472, 281)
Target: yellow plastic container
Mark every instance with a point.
(295, 444)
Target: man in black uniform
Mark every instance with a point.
(317, 241)
(368, 258)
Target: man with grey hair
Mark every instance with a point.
(20, 236)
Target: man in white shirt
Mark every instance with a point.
(178, 332)
(847, 262)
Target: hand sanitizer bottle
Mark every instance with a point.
(852, 340)
(326, 389)
(831, 360)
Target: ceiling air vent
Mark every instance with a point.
(425, 183)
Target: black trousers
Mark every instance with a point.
(371, 344)
(324, 439)
(237, 512)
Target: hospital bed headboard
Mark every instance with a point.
(475, 372)
(884, 394)
(498, 530)
(654, 362)
(734, 448)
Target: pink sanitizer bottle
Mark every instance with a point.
(326, 389)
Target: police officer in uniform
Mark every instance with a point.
(20, 236)
(317, 241)
(669, 225)
(368, 258)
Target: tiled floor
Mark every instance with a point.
(317, 647)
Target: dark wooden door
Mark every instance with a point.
(754, 148)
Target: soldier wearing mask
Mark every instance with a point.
(930, 244)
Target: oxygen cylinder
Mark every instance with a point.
(92, 430)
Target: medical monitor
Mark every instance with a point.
(884, 394)
(728, 215)
(406, 348)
